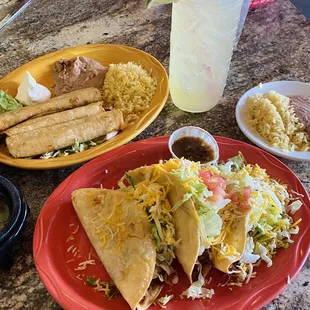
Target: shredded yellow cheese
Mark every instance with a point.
(70, 238)
(296, 223)
(76, 229)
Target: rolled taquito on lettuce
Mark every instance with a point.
(56, 118)
(52, 138)
(67, 101)
(121, 233)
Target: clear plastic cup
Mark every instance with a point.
(203, 36)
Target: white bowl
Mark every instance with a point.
(191, 131)
(286, 88)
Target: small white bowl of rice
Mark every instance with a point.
(266, 117)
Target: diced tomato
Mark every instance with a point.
(245, 206)
(234, 197)
(218, 194)
(246, 192)
(214, 182)
(219, 191)
(205, 175)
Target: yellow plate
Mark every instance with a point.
(41, 70)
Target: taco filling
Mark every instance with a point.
(263, 205)
(194, 210)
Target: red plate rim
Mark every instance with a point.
(67, 301)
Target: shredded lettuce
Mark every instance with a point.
(233, 164)
(130, 180)
(294, 207)
(164, 300)
(196, 290)
(248, 257)
(262, 252)
(152, 197)
(294, 230)
(155, 235)
(108, 287)
(75, 148)
(238, 162)
(78, 147)
(186, 197)
(188, 174)
(211, 223)
(267, 220)
(218, 205)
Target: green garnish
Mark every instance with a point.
(109, 286)
(91, 281)
(156, 236)
(238, 162)
(154, 229)
(7, 102)
(130, 180)
(147, 210)
(77, 147)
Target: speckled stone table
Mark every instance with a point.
(275, 45)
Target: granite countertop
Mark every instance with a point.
(275, 45)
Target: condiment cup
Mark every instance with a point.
(192, 131)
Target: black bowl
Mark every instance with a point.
(18, 210)
(12, 197)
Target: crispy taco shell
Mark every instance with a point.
(237, 239)
(185, 218)
(129, 257)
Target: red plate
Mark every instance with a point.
(53, 228)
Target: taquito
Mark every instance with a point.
(71, 100)
(52, 138)
(56, 118)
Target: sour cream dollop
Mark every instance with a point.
(30, 92)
